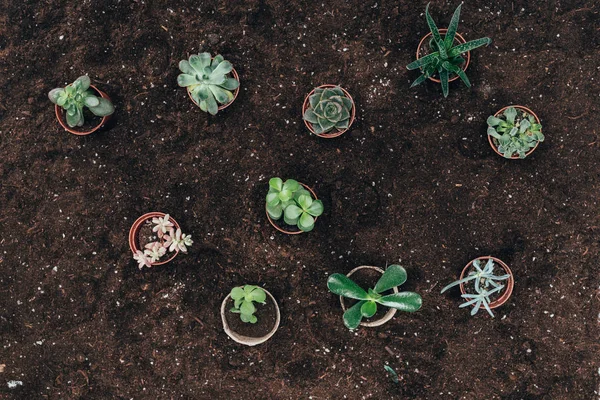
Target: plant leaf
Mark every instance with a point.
(258, 295)
(473, 44)
(429, 58)
(310, 116)
(394, 276)
(343, 286)
(104, 107)
(275, 211)
(184, 80)
(449, 38)
(306, 223)
(368, 309)
(247, 307)
(444, 81)
(293, 211)
(54, 94)
(353, 315)
(403, 301)
(316, 208)
(237, 293)
(305, 201)
(432, 27)
(91, 101)
(223, 96)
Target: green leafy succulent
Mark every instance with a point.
(294, 203)
(366, 306)
(75, 97)
(208, 80)
(244, 299)
(328, 108)
(515, 132)
(446, 58)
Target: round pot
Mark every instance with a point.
(457, 38)
(495, 146)
(283, 230)
(247, 340)
(235, 92)
(60, 116)
(509, 284)
(135, 230)
(335, 133)
(388, 315)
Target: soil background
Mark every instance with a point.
(414, 182)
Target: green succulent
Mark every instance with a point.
(515, 132)
(292, 201)
(75, 97)
(328, 108)
(208, 80)
(446, 58)
(366, 307)
(244, 299)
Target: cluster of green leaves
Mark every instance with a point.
(328, 108)
(366, 306)
(294, 203)
(515, 132)
(446, 58)
(244, 299)
(75, 97)
(207, 80)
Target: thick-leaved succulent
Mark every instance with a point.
(208, 80)
(167, 239)
(244, 299)
(329, 108)
(366, 306)
(292, 201)
(75, 97)
(446, 57)
(515, 132)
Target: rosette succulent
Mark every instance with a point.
(292, 201)
(208, 80)
(514, 132)
(75, 97)
(329, 108)
(167, 240)
(244, 299)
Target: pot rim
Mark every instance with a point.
(283, 230)
(305, 107)
(135, 230)
(458, 37)
(235, 92)
(509, 285)
(495, 148)
(59, 111)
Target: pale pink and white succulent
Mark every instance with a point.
(162, 225)
(179, 241)
(155, 251)
(169, 240)
(142, 259)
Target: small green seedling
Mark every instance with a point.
(446, 58)
(329, 108)
(208, 80)
(393, 375)
(515, 132)
(243, 301)
(75, 97)
(366, 307)
(483, 278)
(292, 201)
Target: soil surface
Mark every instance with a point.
(265, 313)
(79, 320)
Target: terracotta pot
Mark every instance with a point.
(509, 284)
(247, 340)
(495, 147)
(457, 38)
(336, 133)
(60, 116)
(135, 230)
(391, 312)
(223, 106)
(283, 230)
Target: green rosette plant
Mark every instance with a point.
(208, 80)
(244, 299)
(515, 132)
(292, 201)
(329, 108)
(367, 303)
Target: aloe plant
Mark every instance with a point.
(77, 96)
(446, 58)
(244, 299)
(329, 108)
(366, 306)
(208, 80)
(515, 132)
(292, 201)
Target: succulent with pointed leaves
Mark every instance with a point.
(75, 97)
(292, 201)
(515, 132)
(366, 306)
(329, 108)
(208, 80)
(244, 299)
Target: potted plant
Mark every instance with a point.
(250, 315)
(78, 102)
(295, 202)
(483, 287)
(514, 132)
(209, 81)
(155, 238)
(442, 54)
(364, 302)
(328, 111)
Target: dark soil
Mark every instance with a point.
(79, 320)
(265, 313)
(367, 279)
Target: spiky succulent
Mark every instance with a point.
(446, 58)
(75, 97)
(328, 108)
(243, 301)
(208, 80)
(294, 203)
(515, 132)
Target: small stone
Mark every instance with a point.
(213, 38)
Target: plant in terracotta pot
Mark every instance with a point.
(212, 83)
(295, 202)
(328, 111)
(482, 286)
(250, 315)
(384, 293)
(78, 101)
(444, 57)
(156, 238)
(514, 132)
